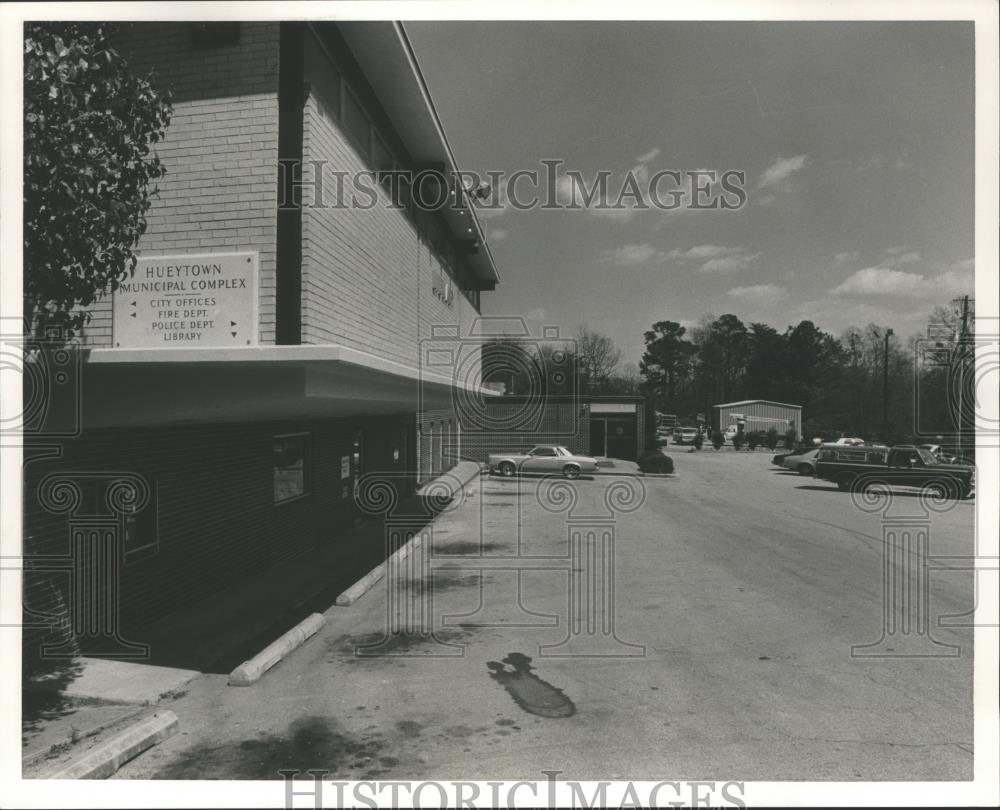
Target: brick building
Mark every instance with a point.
(270, 348)
(612, 426)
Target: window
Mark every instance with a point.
(291, 466)
(356, 123)
(134, 510)
(381, 157)
(357, 455)
(547, 452)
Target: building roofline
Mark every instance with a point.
(418, 74)
(753, 401)
(383, 52)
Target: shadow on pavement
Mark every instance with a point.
(216, 634)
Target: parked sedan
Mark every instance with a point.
(542, 458)
(939, 453)
(803, 463)
(685, 435)
(778, 459)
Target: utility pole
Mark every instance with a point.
(885, 388)
(960, 352)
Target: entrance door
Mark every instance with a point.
(620, 437)
(598, 433)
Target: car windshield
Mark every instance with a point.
(927, 456)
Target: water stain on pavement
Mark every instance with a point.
(467, 549)
(380, 647)
(309, 742)
(530, 692)
(409, 728)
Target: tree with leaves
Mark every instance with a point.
(90, 125)
(723, 357)
(666, 362)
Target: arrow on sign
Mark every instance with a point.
(133, 303)
(234, 334)
(232, 323)
(133, 314)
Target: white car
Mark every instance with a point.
(542, 458)
(685, 435)
(939, 453)
(730, 433)
(802, 463)
(850, 442)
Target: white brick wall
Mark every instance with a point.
(367, 277)
(220, 151)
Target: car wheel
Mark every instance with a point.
(876, 488)
(571, 471)
(805, 469)
(844, 482)
(507, 469)
(938, 490)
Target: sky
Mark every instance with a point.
(856, 140)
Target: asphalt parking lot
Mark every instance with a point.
(715, 642)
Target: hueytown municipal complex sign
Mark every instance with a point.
(188, 301)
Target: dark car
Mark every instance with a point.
(866, 468)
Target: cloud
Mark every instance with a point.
(888, 281)
(900, 259)
(715, 258)
(959, 279)
(703, 252)
(728, 264)
(880, 281)
(781, 169)
(759, 293)
(652, 154)
(631, 255)
(845, 258)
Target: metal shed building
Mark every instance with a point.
(760, 414)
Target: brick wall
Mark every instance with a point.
(440, 444)
(367, 274)
(507, 427)
(215, 511)
(220, 151)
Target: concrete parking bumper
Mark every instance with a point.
(105, 759)
(252, 670)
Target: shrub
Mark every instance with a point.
(699, 440)
(790, 437)
(772, 439)
(717, 439)
(655, 462)
(753, 440)
(738, 440)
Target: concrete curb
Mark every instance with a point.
(105, 759)
(636, 474)
(471, 471)
(250, 671)
(31, 757)
(368, 581)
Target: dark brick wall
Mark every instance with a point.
(215, 512)
(514, 423)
